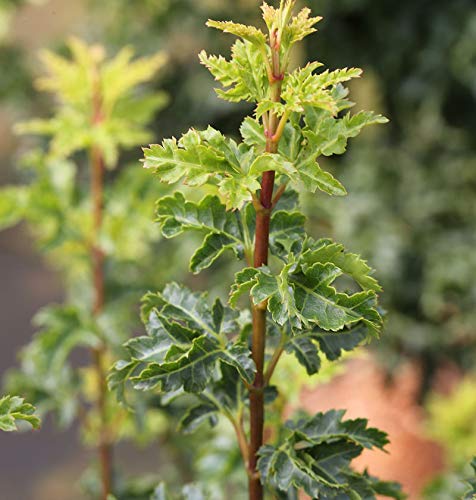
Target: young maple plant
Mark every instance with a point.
(89, 223)
(308, 297)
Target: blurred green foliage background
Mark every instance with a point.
(412, 207)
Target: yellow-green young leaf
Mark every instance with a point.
(174, 160)
(313, 177)
(14, 409)
(328, 135)
(122, 74)
(244, 76)
(206, 157)
(13, 204)
(270, 161)
(289, 29)
(249, 33)
(236, 191)
(300, 26)
(97, 106)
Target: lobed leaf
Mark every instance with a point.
(13, 409)
(315, 458)
(302, 292)
(244, 76)
(187, 342)
(221, 229)
(249, 33)
(470, 493)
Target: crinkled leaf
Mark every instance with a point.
(470, 494)
(249, 33)
(306, 352)
(187, 341)
(244, 76)
(302, 293)
(316, 454)
(222, 229)
(13, 409)
(201, 157)
(325, 250)
(328, 135)
(194, 368)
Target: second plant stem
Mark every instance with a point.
(97, 258)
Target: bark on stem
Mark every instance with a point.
(263, 217)
(97, 258)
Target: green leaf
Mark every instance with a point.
(77, 80)
(221, 229)
(305, 350)
(325, 427)
(249, 33)
(325, 250)
(194, 368)
(285, 228)
(332, 344)
(187, 342)
(306, 344)
(202, 157)
(302, 293)
(46, 375)
(13, 204)
(328, 135)
(12, 409)
(470, 493)
(244, 76)
(269, 161)
(223, 395)
(153, 347)
(313, 177)
(315, 457)
(244, 281)
(62, 329)
(196, 415)
(191, 491)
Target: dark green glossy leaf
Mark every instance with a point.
(222, 229)
(315, 458)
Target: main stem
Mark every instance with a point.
(263, 218)
(97, 258)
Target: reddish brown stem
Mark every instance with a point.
(263, 218)
(97, 259)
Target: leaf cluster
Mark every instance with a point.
(13, 409)
(78, 81)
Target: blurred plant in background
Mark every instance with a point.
(92, 221)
